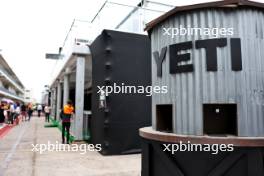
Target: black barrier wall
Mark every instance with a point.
(243, 161)
(119, 57)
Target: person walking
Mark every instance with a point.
(6, 110)
(23, 112)
(2, 115)
(47, 113)
(17, 113)
(12, 113)
(29, 111)
(66, 115)
(39, 108)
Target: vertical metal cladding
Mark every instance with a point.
(187, 92)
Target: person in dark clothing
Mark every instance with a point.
(29, 111)
(23, 112)
(2, 116)
(66, 115)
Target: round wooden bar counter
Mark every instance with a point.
(149, 133)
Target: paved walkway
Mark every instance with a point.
(17, 157)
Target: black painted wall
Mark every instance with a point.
(119, 57)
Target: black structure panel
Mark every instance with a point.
(243, 161)
(119, 57)
(87, 101)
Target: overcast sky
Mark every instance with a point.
(31, 28)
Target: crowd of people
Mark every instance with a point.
(12, 113)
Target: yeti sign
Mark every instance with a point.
(210, 46)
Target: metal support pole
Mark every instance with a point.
(66, 90)
(53, 102)
(79, 96)
(58, 107)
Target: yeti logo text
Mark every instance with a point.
(210, 46)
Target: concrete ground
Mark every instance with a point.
(17, 157)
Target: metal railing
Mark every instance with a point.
(7, 93)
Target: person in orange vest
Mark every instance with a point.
(66, 115)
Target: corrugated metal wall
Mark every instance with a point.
(189, 91)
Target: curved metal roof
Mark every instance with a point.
(216, 4)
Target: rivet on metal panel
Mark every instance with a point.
(107, 80)
(108, 49)
(106, 122)
(108, 65)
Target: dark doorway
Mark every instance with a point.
(87, 101)
(164, 117)
(220, 119)
(72, 95)
(61, 102)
